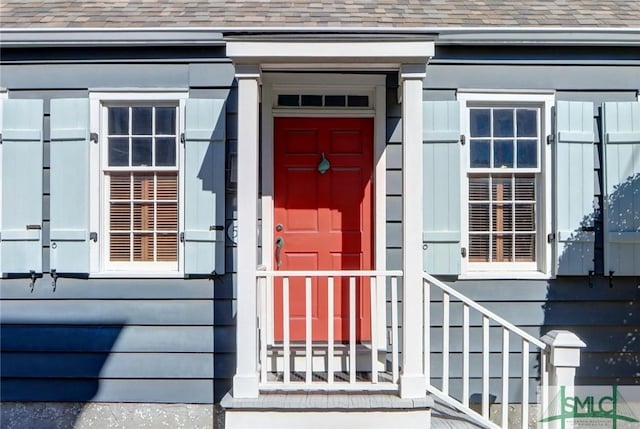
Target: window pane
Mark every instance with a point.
(334, 100)
(166, 120)
(502, 248)
(503, 154)
(502, 189)
(527, 121)
(358, 101)
(120, 217)
(141, 120)
(480, 123)
(525, 188)
(165, 151)
(525, 217)
(527, 153)
(167, 247)
(478, 248)
(141, 151)
(479, 217)
(118, 151)
(143, 217)
(525, 248)
(119, 247)
(168, 217)
(118, 120)
(120, 185)
(143, 186)
(480, 153)
(479, 188)
(502, 216)
(167, 187)
(288, 100)
(312, 100)
(503, 123)
(143, 247)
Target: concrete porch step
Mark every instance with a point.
(319, 410)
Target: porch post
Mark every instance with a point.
(245, 381)
(412, 380)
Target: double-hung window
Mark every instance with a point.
(140, 158)
(506, 186)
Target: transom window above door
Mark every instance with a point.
(322, 100)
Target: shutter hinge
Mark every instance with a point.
(182, 138)
(463, 252)
(550, 138)
(93, 137)
(93, 236)
(463, 139)
(0, 138)
(30, 227)
(182, 237)
(551, 237)
(216, 228)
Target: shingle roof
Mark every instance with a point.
(318, 13)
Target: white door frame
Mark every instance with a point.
(325, 83)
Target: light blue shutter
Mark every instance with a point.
(21, 235)
(204, 186)
(621, 131)
(574, 190)
(69, 174)
(441, 171)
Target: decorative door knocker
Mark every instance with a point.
(324, 165)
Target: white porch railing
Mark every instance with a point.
(349, 363)
(446, 297)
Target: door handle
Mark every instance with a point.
(279, 246)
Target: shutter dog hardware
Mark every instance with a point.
(54, 279)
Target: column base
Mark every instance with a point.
(413, 386)
(245, 386)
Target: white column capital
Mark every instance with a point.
(564, 348)
(412, 71)
(248, 71)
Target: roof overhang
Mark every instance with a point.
(338, 53)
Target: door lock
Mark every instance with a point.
(279, 227)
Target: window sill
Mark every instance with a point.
(504, 275)
(137, 275)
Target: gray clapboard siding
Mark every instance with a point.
(475, 364)
(106, 312)
(495, 389)
(106, 390)
(533, 77)
(108, 365)
(116, 339)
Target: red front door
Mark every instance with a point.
(323, 220)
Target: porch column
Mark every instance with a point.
(245, 382)
(413, 383)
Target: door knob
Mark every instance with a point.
(279, 227)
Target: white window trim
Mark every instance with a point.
(542, 268)
(97, 261)
(3, 96)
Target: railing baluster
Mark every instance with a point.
(525, 384)
(485, 367)
(330, 345)
(285, 331)
(262, 293)
(505, 377)
(394, 330)
(352, 330)
(427, 330)
(465, 355)
(445, 343)
(373, 295)
(308, 331)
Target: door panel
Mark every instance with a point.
(326, 218)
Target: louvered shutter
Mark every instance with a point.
(204, 186)
(21, 229)
(621, 131)
(69, 163)
(574, 190)
(441, 171)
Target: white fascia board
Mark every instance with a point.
(360, 51)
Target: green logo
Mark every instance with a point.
(611, 407)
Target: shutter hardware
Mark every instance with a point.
(30, 227)
(93, 137)
(550, 139)
(93, 236)
(33, 280)
(463, 252)
(463, 139)
(0, 138)
(182, 138)
(182, 237)
(54, 279)
(551, 237)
